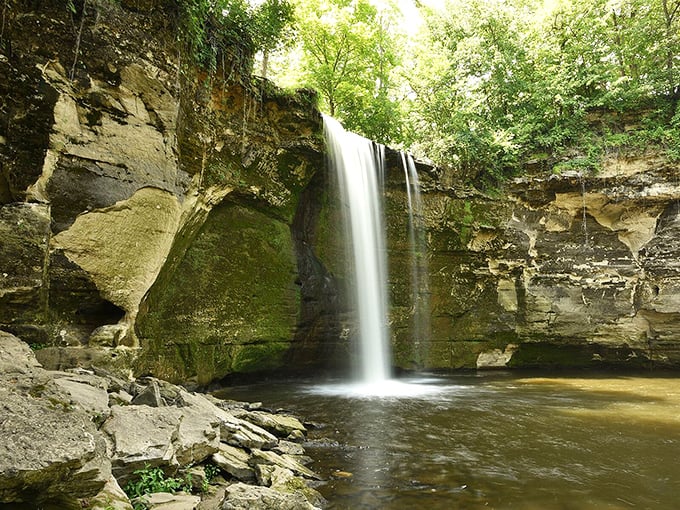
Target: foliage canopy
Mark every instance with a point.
(485, 86)
(228, 33)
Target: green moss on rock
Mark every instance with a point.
(230, 304)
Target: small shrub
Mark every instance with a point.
(152, 480)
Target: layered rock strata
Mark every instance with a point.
(143, 203)
(559, 271)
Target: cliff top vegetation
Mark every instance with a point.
(487, 86)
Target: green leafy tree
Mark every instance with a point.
(227, 33)
(517, 78)
(348, 53)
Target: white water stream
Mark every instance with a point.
(419, 267)
(359, 165)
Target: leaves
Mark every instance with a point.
(520, 77)
(230, 32)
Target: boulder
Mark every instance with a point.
(86, 392)
(198, 436)
(285, 481)
(282, 425)
(150, 396)
(48, 449)
(234, 461)
(284, 461)
(15, 356)
(288, 448)
(141, 437)
(239, 432)
(109, 335)
(111, 497)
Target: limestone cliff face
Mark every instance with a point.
(164, 221)
(142, 203)
(554, 271)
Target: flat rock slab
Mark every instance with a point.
(284, 461)
(167, 501)
(141, 437)
(86, 392)
(241, 496)
(48, 449)
(240, 432)
(282, 425)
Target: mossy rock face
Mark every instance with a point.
(230, 304)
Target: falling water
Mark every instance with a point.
(585, 209)
(419, 269)
(359, 167)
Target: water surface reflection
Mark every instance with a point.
(491, 441)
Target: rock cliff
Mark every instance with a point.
(556, 271)
(161, 220)
(145, 205)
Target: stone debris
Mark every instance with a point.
(168, 501)
(234, 461)
(76, 438)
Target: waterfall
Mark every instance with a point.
(419, 268)
(359, 166)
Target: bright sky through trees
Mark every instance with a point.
(483, 86)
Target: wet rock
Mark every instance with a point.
(289, 448)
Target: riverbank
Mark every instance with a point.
(90, 439)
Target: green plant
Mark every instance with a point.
(150, 480)
(211, 471)
(228, 33)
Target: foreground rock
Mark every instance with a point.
(50, 448)
(69, 439)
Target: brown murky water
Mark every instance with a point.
(499, 441)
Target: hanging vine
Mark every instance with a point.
(226, 34)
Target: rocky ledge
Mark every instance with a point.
(74, 439)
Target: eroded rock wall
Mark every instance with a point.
(145, 205)
(158, 219)
(558, 271)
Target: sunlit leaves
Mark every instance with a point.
(229, 32)
(518, 77)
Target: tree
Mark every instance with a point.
(273, 28)
(219, 33)
(348, 54)
(516, 78)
